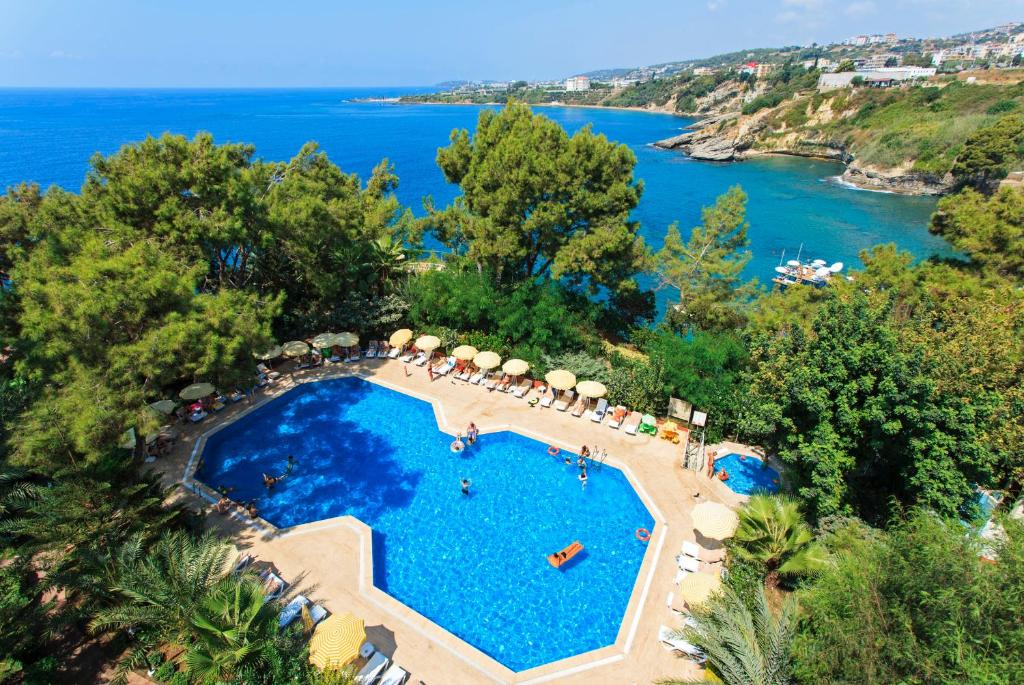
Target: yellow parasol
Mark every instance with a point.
(346, 339)
(697, 588)
(163, 406)
(714, 520)
(336, 641)
(464, 352)
(560, 379)
(487, 360)
(591, 389)
(196, 390)
(515, 367)
(273, 353)
(324, 340)
(400, 337)
(295, 348)
(428, 343)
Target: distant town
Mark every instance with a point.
(877, 60)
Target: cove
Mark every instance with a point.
(49, 135)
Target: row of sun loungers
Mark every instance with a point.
(377, 666)
(689, 562)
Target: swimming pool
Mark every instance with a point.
(474, 565)
(747, 476)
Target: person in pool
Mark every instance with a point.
(582, 463)
(471, 433)
(583, 479)
(252, 510)
(270, 481)
(465, 486)
(291, 464)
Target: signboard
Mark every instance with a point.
(679, 409)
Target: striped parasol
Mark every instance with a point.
(400, 337)
(697, 588)
(487, 360)
(295, 348)
(336, 641)
(714, 520)
(515, 367)
(464, 352)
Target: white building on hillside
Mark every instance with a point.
(577, 83)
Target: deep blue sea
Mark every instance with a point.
(477, 564)
(48, 136)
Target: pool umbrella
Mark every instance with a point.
(428, 343)
(400, 337)
(336, 641)
(163, 406)
(487, 360)
(196, 390)
(295, 348)
(515, 367)
(324, 340)
(464, 352)
(591, 389)
(560, 379)
(346, 339)
(697, 588)
(273, 353)
(715, 520)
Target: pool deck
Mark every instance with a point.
(331, 562)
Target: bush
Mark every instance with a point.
(639, 385)
(585, 366)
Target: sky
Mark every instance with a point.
(318, 43)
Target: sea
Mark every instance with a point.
(796, 206)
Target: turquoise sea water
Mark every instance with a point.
(477, 564)
(49, 135)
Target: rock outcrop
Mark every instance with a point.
(897, 180)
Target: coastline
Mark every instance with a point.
(623, 108)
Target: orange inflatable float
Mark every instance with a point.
(559, 558)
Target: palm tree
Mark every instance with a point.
(234, 629)
(772, 532)
(744, 644)
(157, 591)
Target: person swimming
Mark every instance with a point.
(465, 485)
(582, 462)
(471, 433)
(291, 464)
(583, 479)
(270, 481)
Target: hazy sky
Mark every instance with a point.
(400, 42)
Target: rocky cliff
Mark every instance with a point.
(725, 136)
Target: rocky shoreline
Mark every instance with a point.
(731, 137)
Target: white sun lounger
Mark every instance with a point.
(631, 423)
(420, 360)
(408, 357)
(522, 389)
(291, 611)
(317, 613)
(395, 675)
(665, 636)
(266, 371)
(688, 563)
(277, 586)
(493, 381)
(691, 550)
(394, 352)
(598, 414)
(463, 375)
(372, 669)
(578, 410)
(547, 400)
(477, 378)
(567, 398)
(615, 423)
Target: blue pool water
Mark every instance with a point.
(747, 476)
(475, 565)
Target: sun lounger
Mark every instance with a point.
(291, 611)
(581, 404)
(617, 417)
(372, 669)
(688, 563)
(408, 356)
(394, 353)
(317, 613)
(464, 374)
(353, 355)
(521, 389)
(420, 360)
(477, 378)
(371, 350)
(632, 423)
(243, 563)
(567, 398)
(691, 550)
(680, 574)
(598, 414)
(492, 382)
(275, 587)
(667, 638)
(547, 400)
(266, 371)
(395, 675)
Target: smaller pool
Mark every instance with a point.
(748, 475)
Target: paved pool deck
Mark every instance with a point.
(331, 561)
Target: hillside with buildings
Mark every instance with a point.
(895, 110)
